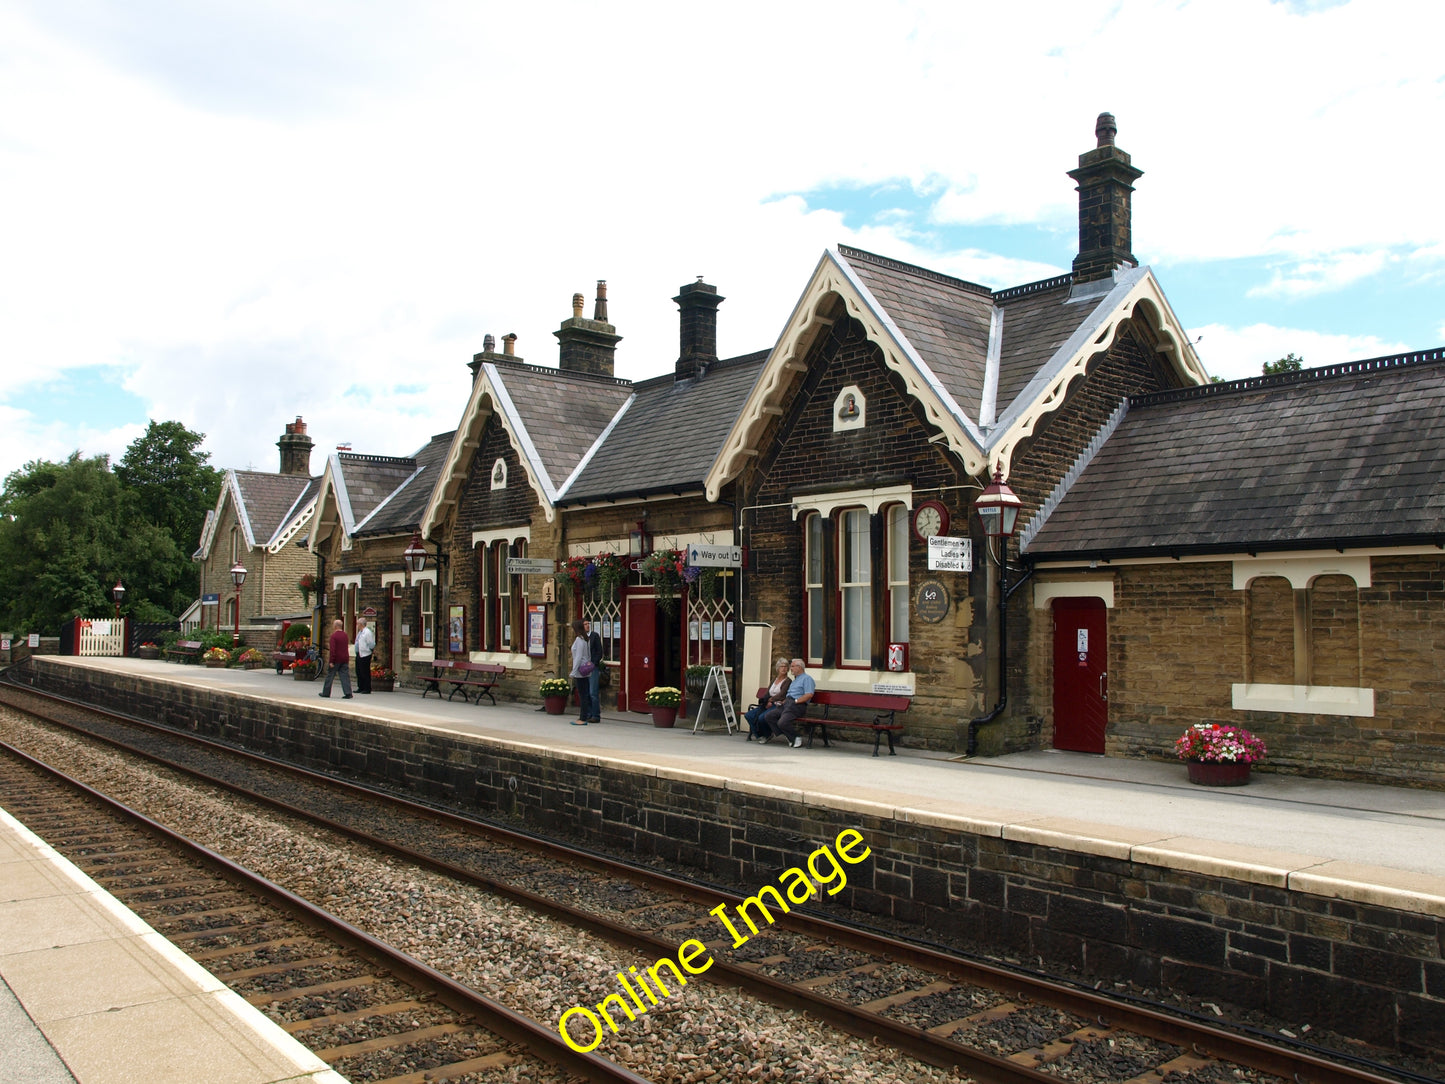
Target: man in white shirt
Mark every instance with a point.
(365, 645)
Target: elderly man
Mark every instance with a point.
(365, 646)
(794, 706)
(338, 660)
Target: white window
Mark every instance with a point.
(898, 593)
(855, 583)
(504, 598)
(813, 579)
(427, 597)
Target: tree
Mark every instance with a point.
(170, 485)
(67, 533)
(1287, 364)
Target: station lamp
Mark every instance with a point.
(415, 554)
(238, 577)
(117, 592)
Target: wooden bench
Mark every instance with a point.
(184, 651)
(884, 706)
(463, 677)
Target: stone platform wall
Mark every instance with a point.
(1375, 973)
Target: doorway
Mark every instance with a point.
(1081, 677)
(653, 652)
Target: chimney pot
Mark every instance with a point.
(509, 344)
(489, 343)
(578, 301)
(1105, 129)
(599, 311)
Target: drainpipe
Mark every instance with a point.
(1004, 592)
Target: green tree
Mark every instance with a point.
(1287, 364)
(67, 533)
(170, 485)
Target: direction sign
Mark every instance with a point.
(530, 566)
(701, 556)
(947, 554)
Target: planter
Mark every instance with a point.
(383, 685)
(301, 675)
(147, 652)
(663, 717)
(215, 664)
(253, 665)
(555, 705)
(1219, 773)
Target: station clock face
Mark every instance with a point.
(929, 519)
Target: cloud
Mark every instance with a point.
(1334, 272)
(1232, 353)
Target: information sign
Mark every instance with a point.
(536, 630)
(530, 566)
(892, 688)
(947, 554)
(701, 556)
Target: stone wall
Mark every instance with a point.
(1369, 971)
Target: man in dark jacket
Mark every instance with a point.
(338, 660)
(594, 679)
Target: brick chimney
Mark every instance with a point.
(489, 353)
(1105, 180)
(295, 448)
(588, 346)
(697, 303)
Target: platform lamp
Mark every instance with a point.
(998, 508)
(415, 553)
(117, 592)
(238, 577)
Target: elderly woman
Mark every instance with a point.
(772, 698)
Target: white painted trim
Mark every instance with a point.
(988, 400)
(1225, 558)
(352, 579)
(609, 545)
(501, 534)
(858, 681)
(430, 576)
(860, 401)
(1100, 587)
(506, 658)
(683, 540)
(421, 654)
(292, 526)
(1301, 571)
(389, 578)
(872, 499)
(1305, 699)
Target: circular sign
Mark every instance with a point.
(931, 602)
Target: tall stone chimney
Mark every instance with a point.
(1105, 180)
(489, 353)
(588, 346)
(697, 303)
(295, 448)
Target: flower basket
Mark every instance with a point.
(304, 671)
(555, 692)
(663, 696)
(383, 684)
(216, 657)
(555, 705)
(696, 679)
(148, 651)
(252, 659)
(669, 574)
(1219, 756)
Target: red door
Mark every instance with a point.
(641, 659)
(1081, 678)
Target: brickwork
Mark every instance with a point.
(271, 578)
(1180, 637)
(1371, 972)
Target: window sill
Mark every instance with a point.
(506, 658)
(421, 654)
(1305, 699)
(858, 681)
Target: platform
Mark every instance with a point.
(90, 994)
(1373, 844)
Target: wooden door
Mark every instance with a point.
(639, 632)
(1081, 678)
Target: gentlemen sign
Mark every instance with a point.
(947, 554)
(700, 556)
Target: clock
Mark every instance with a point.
(930, 519)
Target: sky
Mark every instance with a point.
(231, 214)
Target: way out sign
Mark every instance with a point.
(701, 556)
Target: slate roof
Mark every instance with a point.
(271, 499)
(370, 479)
(669, 436)
(401, 510)
(1344, 455)
(1037, 320)
(562, 412)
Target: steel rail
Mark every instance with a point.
(1198, 1037)
(544, 1042)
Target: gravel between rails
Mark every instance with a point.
(531, 963)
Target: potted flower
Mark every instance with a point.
(252, 659)
(148, 650)
(216, 657)
(383, 679)
(554, 694)
(304, 669)
(663, 701)
(1219, 756)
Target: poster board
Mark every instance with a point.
(536, 630)
(457, 629)
(716, 686)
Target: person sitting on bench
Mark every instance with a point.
(772, 697)
(779, 720)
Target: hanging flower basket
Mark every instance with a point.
(669, 574)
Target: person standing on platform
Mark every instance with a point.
(337, 660)
(365, 645)
(582, 670)
(795, 706)
(594, 679)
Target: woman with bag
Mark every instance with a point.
(771, 698)
(582, 668)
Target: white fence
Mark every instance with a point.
(99, 636)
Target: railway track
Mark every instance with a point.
(369, 1011)
(993, 1024)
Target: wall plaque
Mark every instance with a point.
(931, 602)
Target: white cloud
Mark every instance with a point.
(1333, 272)
(1232, 353)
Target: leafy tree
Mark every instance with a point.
(67, 533)
(1287, 364)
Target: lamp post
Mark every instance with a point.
(415, 553)
(998, 508)
(238, 577)
(117, 592)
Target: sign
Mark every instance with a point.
(716, 687)
(536, 630)
(891, 688)
(5, 645)
(549, 590)
(33, 640)
(701, 556)
(369, 613)
(456, 629)
(210, 600)
(948, 554)
(931, 602)
(530, 566)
